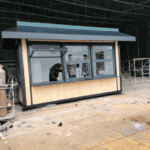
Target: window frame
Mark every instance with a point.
(90, 61)
(29, 60)
(94, 61)
(78, 61)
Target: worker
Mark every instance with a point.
(71, 69)
(78, 71)
(54, 72)
(85, 68)
(70, 57)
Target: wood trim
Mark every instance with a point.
(71, 41)
(117, 64)
(26, 71)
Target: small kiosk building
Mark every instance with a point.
(90, 59)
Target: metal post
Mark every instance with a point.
(149, 38)
(142, 69)
(149, 71)
(129, 71)
(127, 47)
(134, 75)
(138, 42)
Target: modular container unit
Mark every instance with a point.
(90, 59)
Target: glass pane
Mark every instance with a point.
(99, 55)
(46, 69)
(108, 53)
(109, 69)
(78, 70)
(46, 51)
(103, 52)
(77, 53)
(71, 71)
(100, 68)
(86, 69)
(104, 68)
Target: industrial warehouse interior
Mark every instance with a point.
(74, 74)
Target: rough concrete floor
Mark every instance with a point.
(116, 122)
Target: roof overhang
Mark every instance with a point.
(25, 30)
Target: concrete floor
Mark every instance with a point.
(113, 122)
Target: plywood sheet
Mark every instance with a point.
(48, 93)
(20, 95)
(26, 72)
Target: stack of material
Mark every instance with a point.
(3, 111)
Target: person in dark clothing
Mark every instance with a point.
(54, 72)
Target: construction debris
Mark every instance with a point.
(60, 124)
(94, 108)
(2, 137)
(137, 126)
(69, 134)
(107, 110)
(59, 133)
(134, 102)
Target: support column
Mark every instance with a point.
(148, 39)
(26, 71)
(137, 31)
(127, 47)
(117, 65)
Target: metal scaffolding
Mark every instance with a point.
(142, 69)
(138, 67)
(126, 70)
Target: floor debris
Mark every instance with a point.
(60, 124)
(5, 133)
(47, 119)
(54, 122)
(2, 137)
(134, 102)
(94, 108)
(69, 134)
(59, 133)
(137, 126)
(47, 133)
(107, 110)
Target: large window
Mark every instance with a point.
(77, 63)
(44, 64)
(51, 64)
(103, 61)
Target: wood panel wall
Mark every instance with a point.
(62, 91)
